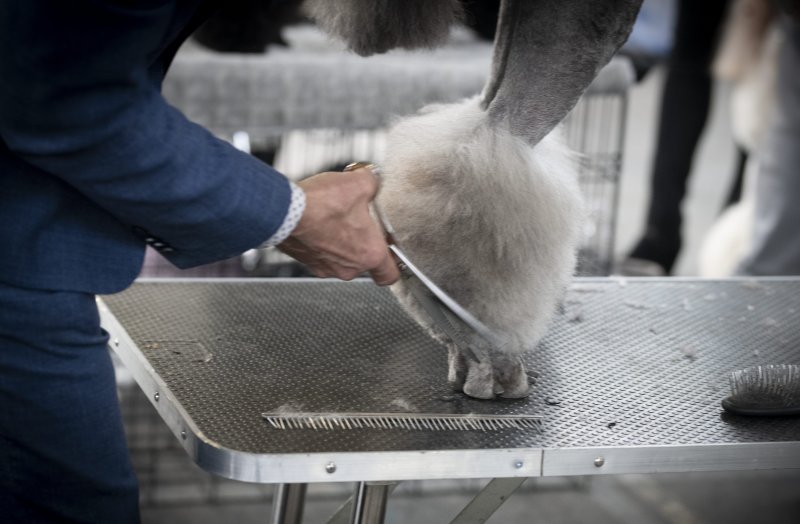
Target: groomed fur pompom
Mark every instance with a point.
(490, 219)
(376, 26)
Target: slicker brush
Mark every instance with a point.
(771, 390)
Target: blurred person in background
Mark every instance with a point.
(747, 61)
(685, 104)
(774, 246)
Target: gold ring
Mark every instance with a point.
(368, 165)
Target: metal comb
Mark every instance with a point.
(409, 421)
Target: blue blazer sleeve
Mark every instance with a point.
(80, 99)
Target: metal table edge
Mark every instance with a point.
(309, 467)
(437, 464)
(670, 458)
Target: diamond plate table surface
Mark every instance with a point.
(627, 364)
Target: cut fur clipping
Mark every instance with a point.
(490, 219)
(376, 26)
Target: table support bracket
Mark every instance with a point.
(488, 500)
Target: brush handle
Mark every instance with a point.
(731, 406)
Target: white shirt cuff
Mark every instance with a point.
(293, 215)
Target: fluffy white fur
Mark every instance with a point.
(493, 221)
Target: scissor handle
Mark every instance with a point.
(361, 165)
(382, 218)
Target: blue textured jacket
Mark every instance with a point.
(93, 161)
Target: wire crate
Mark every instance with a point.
(596, 130)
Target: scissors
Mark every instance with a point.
(455, 321)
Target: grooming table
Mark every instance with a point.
(628, 380)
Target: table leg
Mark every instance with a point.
(485, 503)
(287, 503)
(369, 503)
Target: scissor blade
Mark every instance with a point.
(440, 306)
(437, 313)
(448, 305)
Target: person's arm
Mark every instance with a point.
(76, 101)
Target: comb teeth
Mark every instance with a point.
(408, 421)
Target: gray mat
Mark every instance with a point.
(626, 363)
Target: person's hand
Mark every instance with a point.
(337, 236)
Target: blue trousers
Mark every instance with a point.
(63, 456)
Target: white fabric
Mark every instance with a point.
(292, 218)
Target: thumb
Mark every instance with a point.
(364, 168)
(387, 272)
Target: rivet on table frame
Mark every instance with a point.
(330, 467)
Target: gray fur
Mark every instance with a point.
(376, 26)
(483, 197)
(546, 54)
(491, 220)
